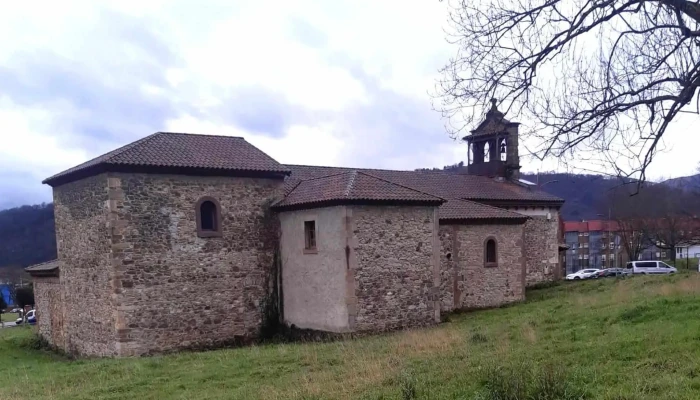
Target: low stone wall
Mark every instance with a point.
(465, 281)
(49, 309)
(396, 273)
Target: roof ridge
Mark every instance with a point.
(403, 186)
(322, 176)
(351, 183)
(200, 134)
(493, 207)
(358, 168)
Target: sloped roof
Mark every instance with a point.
(183, 151)
(439, 183)
(43, 269)
(349, 187)
(591, 226)
(458, 210)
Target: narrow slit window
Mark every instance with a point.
(208, 215)
(490, 253)
(310, 235)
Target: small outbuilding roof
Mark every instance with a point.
(187, 153)
(48, 268)
(352, 187)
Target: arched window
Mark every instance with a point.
(490, 252)
(208, 217)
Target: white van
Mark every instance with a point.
(649, 267)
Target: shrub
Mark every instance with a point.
(528, 381)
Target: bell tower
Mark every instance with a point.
(493, 147)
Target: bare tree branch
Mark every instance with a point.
(603, 77)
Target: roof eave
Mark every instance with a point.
(58, 180)
(354, 202)
(484, 221)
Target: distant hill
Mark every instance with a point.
(689, 183)
(27, 235)
(584, 194)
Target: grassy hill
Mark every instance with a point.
(637, 338)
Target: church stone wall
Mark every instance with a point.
(174, 289)
(84, 247)
(314, 283)
(464, 277)
(396, 272)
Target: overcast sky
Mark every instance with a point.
(344, 83)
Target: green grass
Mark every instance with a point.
(8, 317)
(637, 338)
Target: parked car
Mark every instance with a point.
(604, 273)
(16, 310)
(30, 318)
(649, 267)
(582, 274)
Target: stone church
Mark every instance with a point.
(182, 241)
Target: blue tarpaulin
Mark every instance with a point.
(5, 293)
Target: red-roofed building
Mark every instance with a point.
(592, 244)
(185, 241)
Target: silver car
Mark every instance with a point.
(649, 267)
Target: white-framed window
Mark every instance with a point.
(612, 245)
(612, 257)
(574, 251)
(585, 233)
(580, 256)
(585, 245)
(602, 257)
(585, 256)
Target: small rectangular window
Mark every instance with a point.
(310, 235)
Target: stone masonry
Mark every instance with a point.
(464, 276)
(542, 251)
(82, 236)
(173, 289)
(397, 273)
(49, 307)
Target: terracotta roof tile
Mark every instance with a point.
(456, 209)
(350, 187)
(440, 183)
(180, 150)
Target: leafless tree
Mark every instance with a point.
(597, 79)
(626, 211)
(656, 215)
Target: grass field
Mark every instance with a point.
(637, 338)
(8, 317)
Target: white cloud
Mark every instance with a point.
(353, 76)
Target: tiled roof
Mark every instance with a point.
(351, 187)
(43, 267)
(182, 151)
(591, 226)
(440, 183)
(456, 209)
